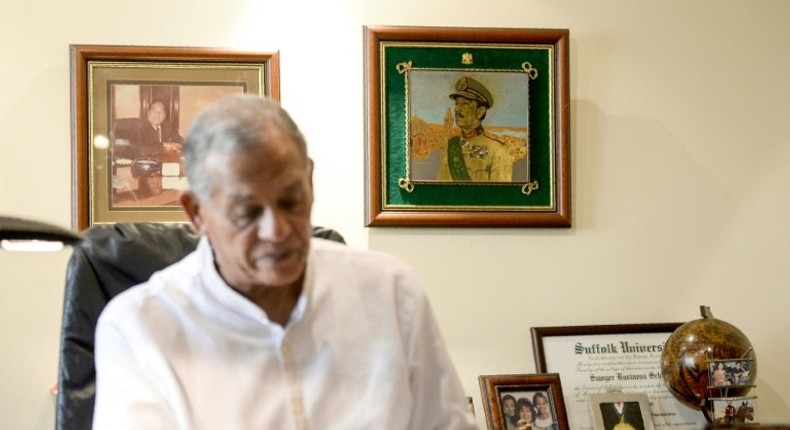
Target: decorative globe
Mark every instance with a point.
(687, 354)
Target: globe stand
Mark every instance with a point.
(692, 350)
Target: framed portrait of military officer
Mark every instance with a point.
(132, 105)
(467, 127)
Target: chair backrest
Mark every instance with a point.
(111, 259)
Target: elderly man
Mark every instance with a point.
(157, 130)
(146, 137)
(263, 327)
(475, 155)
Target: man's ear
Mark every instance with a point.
(191, 205)
(481, 112)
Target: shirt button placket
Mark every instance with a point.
(294, 387)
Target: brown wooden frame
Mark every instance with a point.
(166, 59)
(492, 387)
(379, 212)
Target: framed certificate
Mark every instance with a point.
(599, 359)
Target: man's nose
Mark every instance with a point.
(273, 225)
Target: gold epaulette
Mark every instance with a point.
(495, 137)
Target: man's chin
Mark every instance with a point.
(280, 273)
(280, 280)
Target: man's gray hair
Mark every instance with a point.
(231, 125)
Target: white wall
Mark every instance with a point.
(680, 114)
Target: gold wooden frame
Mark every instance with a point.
(94, 67)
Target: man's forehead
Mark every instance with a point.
(464, 100)
(256, 196)
(245, 190)
(245, 179)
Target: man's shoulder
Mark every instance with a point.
(342, 271)
(341, 259)
(493, 139)
(331, 250)
(168, 282)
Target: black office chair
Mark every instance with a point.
(111, 259)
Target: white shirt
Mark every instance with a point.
(361, 351)
(544, 423)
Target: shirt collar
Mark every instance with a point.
(466, 135)
(235, 301)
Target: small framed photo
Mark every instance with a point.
(729, 373)
(533, 401)
(732, 410)
(467, 127)
(131, 108)
(612, 411)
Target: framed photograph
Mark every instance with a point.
(598, 359)
(523, 401)
(467, 127)
(733, 410)
(131, 107)
(613, 411)
(729, 373)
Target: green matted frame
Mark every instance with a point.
(398, 193)
(96, 72)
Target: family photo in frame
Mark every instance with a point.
(529, 401)
(730, 373)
